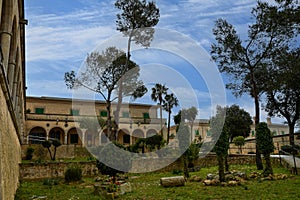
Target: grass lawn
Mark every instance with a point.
(147, 186)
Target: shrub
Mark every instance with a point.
(290, 149)
(73, 173)
(41, 153)
(50, 182)
(29, 153)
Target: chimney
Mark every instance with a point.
(269, 121)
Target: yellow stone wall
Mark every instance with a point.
(12, 93)
(10, 153)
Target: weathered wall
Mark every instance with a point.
(54, 170)
(10, 153)
(64, 151)
(208, 161)
(279, 141)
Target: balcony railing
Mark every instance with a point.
(71, 118)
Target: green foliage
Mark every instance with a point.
(192, 154)
(47, 144)
(137, 19)
(112, 159)
(177, 171)
(238, 121)
(73, 174)
(290, 149)
(264, 139)
(56, 143)
(219, 131)
(29, 153)
(169, 102)
(239, 141)
(50, 182)
(220, 136)
(183, 136)
(146, 187)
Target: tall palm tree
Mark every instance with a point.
(191, 116)
(169, 102)
(158, 92)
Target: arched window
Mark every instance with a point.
(37, 135)
(57, 133)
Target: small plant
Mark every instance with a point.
(50, 182)
(112, 187)
(177, 171)
(239, 141)
(29, 153)
(73, 174)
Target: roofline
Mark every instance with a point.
(85, 100)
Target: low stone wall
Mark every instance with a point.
(208, 161)
(54, 170)
(148, 164)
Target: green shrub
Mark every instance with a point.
(177, 171)
(29, 153)
(50, 182)
(290, 149)
(73, 173)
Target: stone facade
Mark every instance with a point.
(49, 118)
(279, 140)
(12, 93)
(30, 171)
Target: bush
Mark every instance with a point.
(29, 153)
(290, 149)
(41, 153)
(50, 182)
(73, 173)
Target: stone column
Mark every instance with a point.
(83, 136)
(66, 138)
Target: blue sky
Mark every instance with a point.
(61, 33)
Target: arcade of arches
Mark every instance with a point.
(85, 137)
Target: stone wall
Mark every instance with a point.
(208, 161)
(278, 140)
(64, 151)
(29, 171)
(10, 153)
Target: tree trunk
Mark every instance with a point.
(221, 163)
(291, 134)
(185, 165)
(120, 92)
(259, 164)
(172, 181)
(50, 153)
(110, 133)
(268, 168)
(226, 164)
(168, 133)
(160, 113)
(54, 154)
